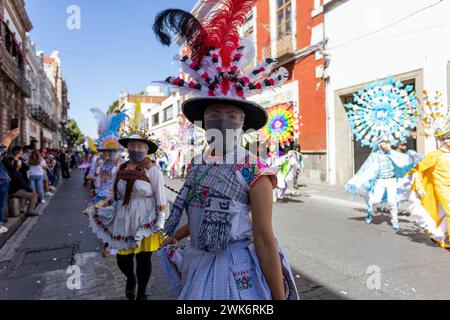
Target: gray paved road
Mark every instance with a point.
(61, 238)
(334, 254)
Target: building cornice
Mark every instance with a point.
(332, 4)
(19, 6)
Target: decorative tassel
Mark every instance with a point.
(214, 231)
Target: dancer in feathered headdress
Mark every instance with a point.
(432, 175)
(132, 214)
(103, 167)
(219, 197)
(383, 114)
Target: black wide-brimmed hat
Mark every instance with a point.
(255, 116)
(152, 147)
(215, 71)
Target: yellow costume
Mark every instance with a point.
(149, 244)
(433, 178)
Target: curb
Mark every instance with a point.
(9, 246)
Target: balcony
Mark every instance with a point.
(284, 48)
(10, 66)
(38, 114)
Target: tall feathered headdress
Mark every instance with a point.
(215, 57)
(108, 129)
(387, 107)
(91, 145)
(435, 115)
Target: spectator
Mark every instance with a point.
(73, 161)
(47, 187)
(64, 163)
(37, 171)
(27, 151)
(57, 170)
(34, 145)
(17, 155)
(19, 188)
(5, 142)
(51, 167)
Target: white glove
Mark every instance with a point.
(160, 222)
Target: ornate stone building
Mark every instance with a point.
(52, 67)
(14, 87)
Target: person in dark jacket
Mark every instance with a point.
(63, 160)
(5, 142)
(17, 155)
(19, 188)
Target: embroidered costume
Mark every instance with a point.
(220, 261)
(103, 167)
(128, 218)
(381, 115)
(292, 163)
(432, 175)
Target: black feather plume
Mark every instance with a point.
(181, 23)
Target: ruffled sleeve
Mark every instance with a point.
(157, 183)
(426, 164)
(253, 169)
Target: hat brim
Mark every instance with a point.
(104, 150)
(255, 115)
(152, 147)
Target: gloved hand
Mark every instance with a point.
(160, 222)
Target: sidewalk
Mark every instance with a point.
(14, 224)
(37, 264)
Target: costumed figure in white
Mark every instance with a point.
(381, 115)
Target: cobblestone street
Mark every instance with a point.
(60, 238)
(324, 236)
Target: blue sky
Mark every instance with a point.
(114, 50)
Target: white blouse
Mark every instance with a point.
(143, 189)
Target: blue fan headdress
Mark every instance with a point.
(108, 129)
(387, 107)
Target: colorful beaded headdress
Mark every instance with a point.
(108, 129)
(387, 107)
(435, 116)
(215, 59)
(137, 131)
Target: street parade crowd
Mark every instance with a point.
(227, 248)
(28, 176)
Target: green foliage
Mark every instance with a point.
(74, 135)
(113, 107)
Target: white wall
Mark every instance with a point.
(371, 39)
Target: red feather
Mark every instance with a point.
(223, 26)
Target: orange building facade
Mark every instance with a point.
(292, 32)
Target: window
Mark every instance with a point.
(178, 107)
(248, 26)
(284, 18)
(168, 113)
(155, 119)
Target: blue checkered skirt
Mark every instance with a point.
(233, 274)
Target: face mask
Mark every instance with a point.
(137, 156)
(114, 156)
(227, 131)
